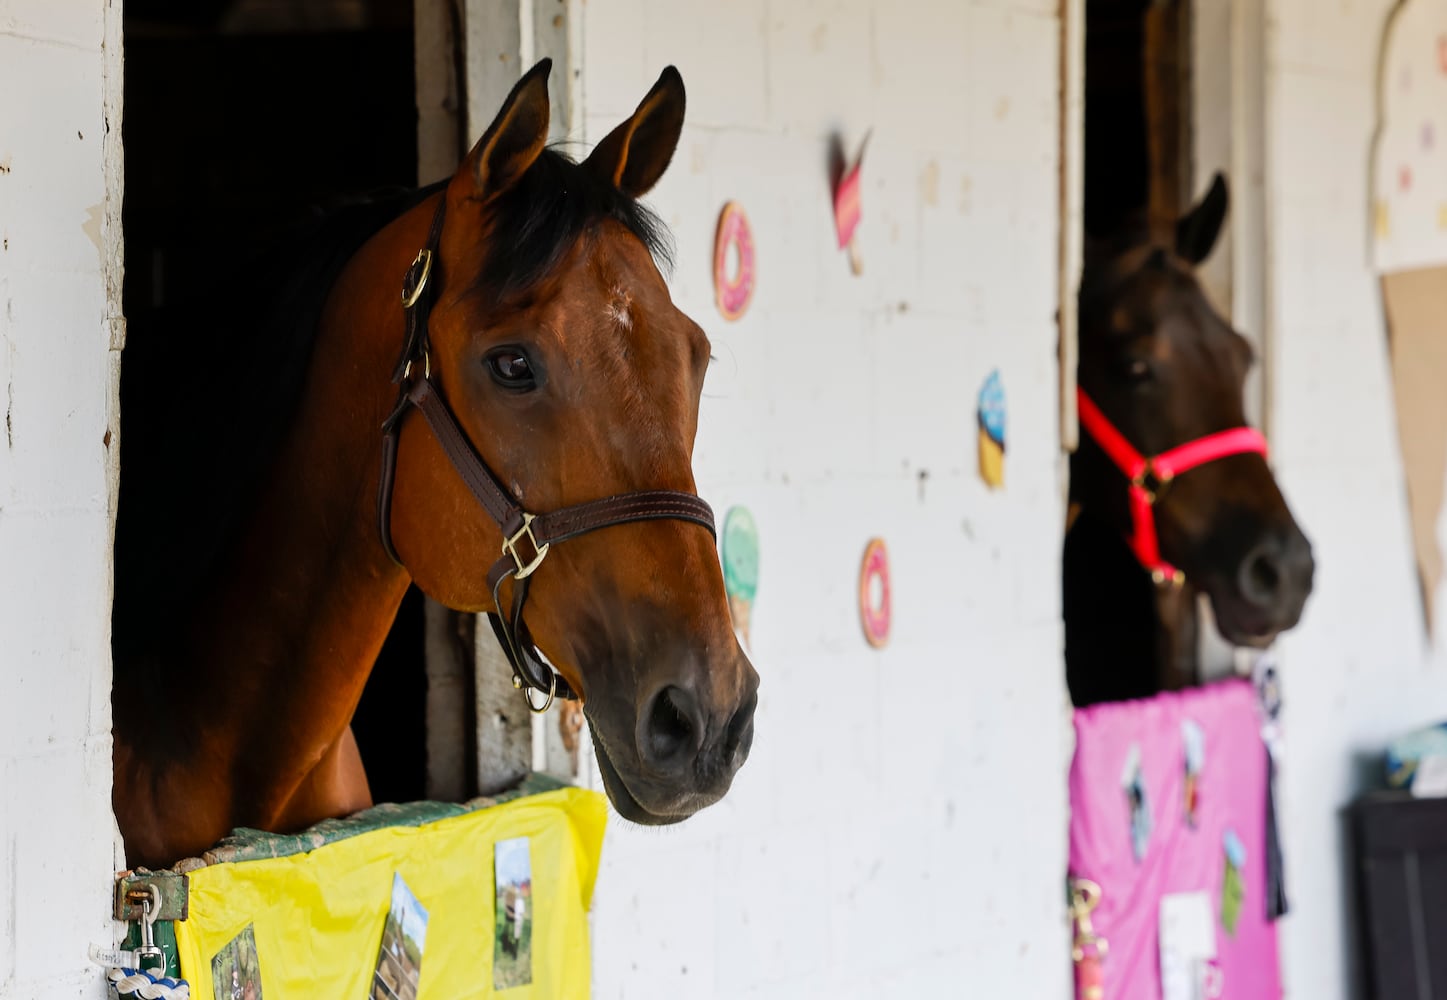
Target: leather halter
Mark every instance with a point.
(527, 537)
(1150, 475)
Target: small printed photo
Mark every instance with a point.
(236, 970)
(399, 963)
(512, 953)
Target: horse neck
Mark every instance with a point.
(277, 655)
(1124, 636)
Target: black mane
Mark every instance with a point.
(556, 203)
(239, 353)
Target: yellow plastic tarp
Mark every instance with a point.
(318, 917)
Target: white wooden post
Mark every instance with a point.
(469, 53)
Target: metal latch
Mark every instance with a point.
(134, 888)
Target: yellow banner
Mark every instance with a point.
(317, 919)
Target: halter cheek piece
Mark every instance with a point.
(1149, 476)
(527, 538)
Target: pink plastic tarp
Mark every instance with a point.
(1177, 857)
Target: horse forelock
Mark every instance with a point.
(531, 227)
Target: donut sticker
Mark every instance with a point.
(740, 541)
(733, 262)
(874, 607)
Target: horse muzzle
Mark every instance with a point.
(1268, 590)
(684, 753)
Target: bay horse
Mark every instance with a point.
(1171, 493)
(550, 463)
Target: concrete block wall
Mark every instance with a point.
(1359, 670)
(59, 70)
(900, 829)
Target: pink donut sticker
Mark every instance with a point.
(874, 606)
(732, 293)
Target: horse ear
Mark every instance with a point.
(634, 155)
(515, 138)
(1197, 230)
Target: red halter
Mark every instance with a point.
(1150, 475)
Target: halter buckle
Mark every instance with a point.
(1150, 482)
(509, 548)
(412, 292)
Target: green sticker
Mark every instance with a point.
(740, 554)
(1233, 887)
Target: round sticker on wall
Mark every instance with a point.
(740, 541)
(733, 262)
(874, 607)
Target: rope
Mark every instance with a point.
(134, 983)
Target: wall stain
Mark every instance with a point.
(929, 183)
(91, 225)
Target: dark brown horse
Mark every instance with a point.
(1165, 370)
(553, 341)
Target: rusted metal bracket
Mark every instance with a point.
(134, 886)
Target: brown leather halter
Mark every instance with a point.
(526, 537)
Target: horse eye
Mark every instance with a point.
(511, 369)
(1137, 370)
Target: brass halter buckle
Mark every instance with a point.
(509, 548)
(410, 292)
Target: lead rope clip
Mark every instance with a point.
(150, 910)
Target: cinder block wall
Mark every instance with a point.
(900, 828)
(1359, 670)
(59, 233)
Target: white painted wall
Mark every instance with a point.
(888, 838)
(1359, 670)
(59, 227)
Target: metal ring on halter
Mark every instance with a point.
(410, 296)
(527, 691)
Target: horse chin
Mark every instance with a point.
(623, 800)
(1241, 625)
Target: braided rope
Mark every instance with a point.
(139, 983)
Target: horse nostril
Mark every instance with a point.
(1262, 576)
(1265, 577)
(739, 736)
(671, 733)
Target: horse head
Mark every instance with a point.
(557, 347)
(1165, 369)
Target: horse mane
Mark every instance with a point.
(551, 207)
(240, 352)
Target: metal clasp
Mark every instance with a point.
(410, 296)
(1161, 579)
(150, 910)
(1084, 897)
(509, 548)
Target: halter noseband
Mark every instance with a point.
(527, 537)
(1150, 475)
